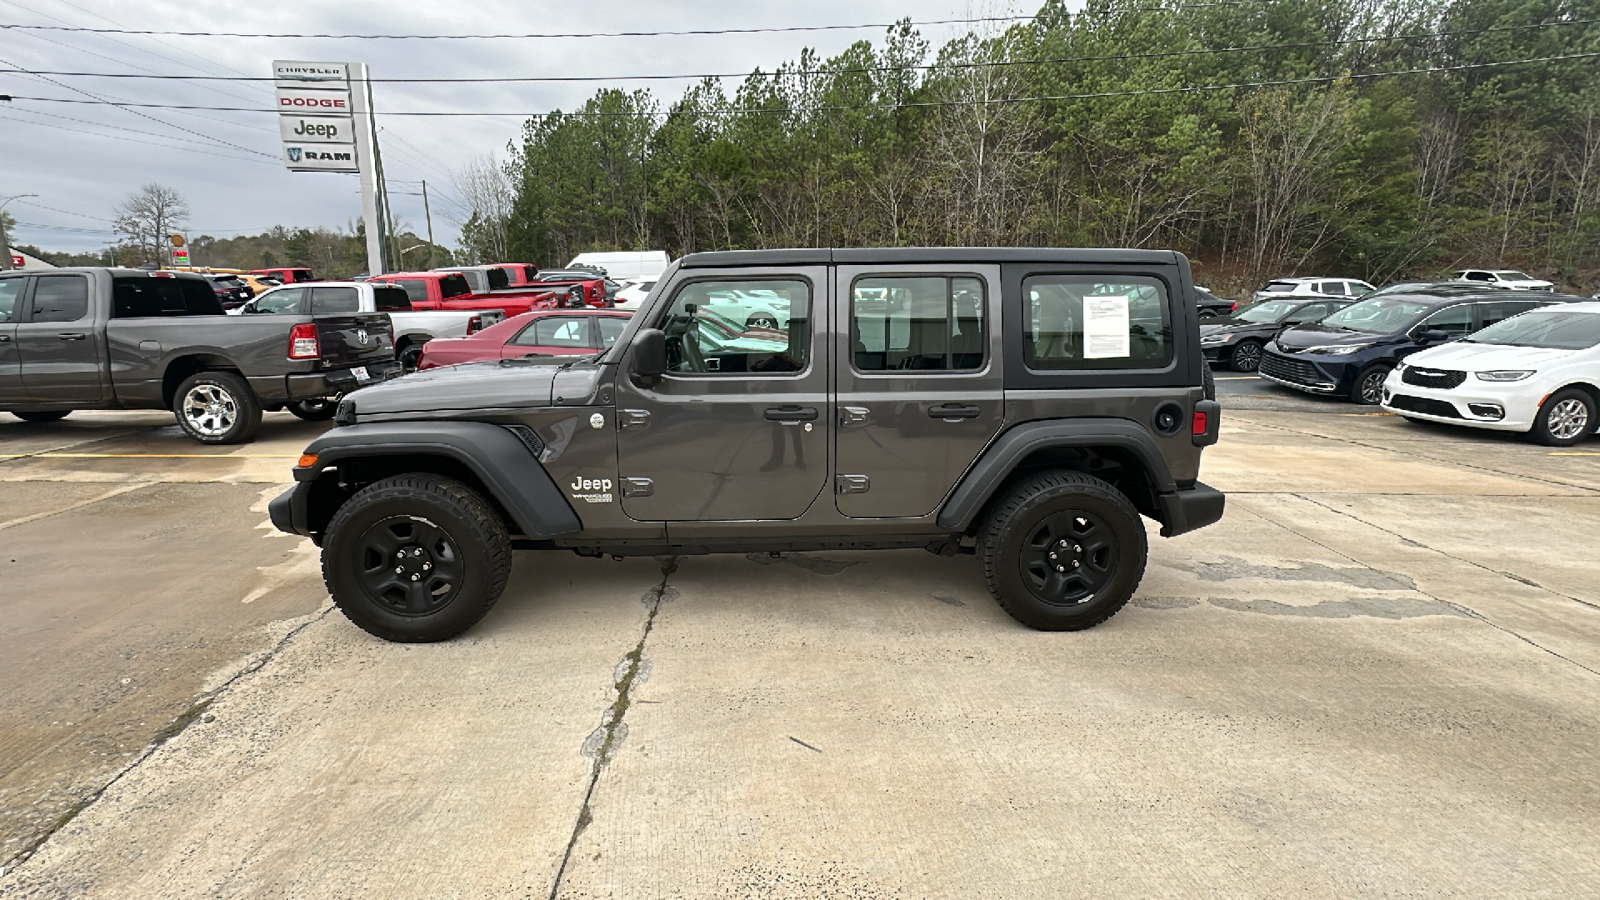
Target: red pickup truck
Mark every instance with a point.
(451, 290)
(291, 275)
(522, 275)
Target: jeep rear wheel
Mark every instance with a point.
(416, 558)
(1063, 551)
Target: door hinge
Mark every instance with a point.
(854, 484)
(633, 418)
(638, 487)
(853, 415)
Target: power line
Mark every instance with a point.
(1186, 89)
(130, 107)
(161, 137)
(67, 212)
(1116, 57)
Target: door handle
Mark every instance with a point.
(951, 412)
(792, 415)
(72, 336)
(4, 338)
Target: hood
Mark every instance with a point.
(1461, 355)
(1314, 335)
(498, 384)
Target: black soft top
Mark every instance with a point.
(908, 255)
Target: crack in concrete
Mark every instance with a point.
(172, 729)
(1466, 611)
(603, 743)
(115, 492)
(1448, 555)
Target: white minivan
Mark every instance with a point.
(1538, 372)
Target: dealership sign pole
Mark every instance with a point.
(326, 123)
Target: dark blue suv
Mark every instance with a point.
(1350, 353)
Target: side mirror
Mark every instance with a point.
(649, 361)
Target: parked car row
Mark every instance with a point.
(1449, 352)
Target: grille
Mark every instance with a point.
(1425, 405)
(1442, 379)
(1296, 370)
(528, 438)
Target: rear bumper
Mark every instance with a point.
(330, 383)
(1190, 510)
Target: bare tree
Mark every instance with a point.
(147, 217)
(486, 189)
(1292, 145)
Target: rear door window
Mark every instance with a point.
(391, 299)
(144, 297)
(498, 280)
(555, 331)
(60, 298)
(1491, 313)
(1087, 322)
(924, 323)
(454, 285)
(611, 328)
(326, 301)
(282, 301)
(1454, 320)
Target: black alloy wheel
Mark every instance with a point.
(1246, 357)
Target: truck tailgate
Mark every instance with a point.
(353, 339)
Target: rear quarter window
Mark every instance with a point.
(1096, 322)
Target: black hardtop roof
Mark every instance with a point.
(908, 255)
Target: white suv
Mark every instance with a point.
(1281, 288)
(1538, 372)
(1511, 279)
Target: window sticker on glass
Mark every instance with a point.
(1105, 327)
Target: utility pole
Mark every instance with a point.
(426, 214)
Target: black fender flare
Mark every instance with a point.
(500, 459)
(1001, 459)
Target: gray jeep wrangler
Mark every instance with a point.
(1025, 406)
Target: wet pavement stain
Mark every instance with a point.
(815, 564)
(1229, 568)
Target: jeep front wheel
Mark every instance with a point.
(1063, 551)
(416, 558)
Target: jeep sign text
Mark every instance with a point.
(316, 130)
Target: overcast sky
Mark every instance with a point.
(83, 172)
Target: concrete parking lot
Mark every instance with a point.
(1378, 675)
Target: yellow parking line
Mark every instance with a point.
(1572, 453)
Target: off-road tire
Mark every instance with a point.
(471, 531)
(1208, 382)
(1026, 510)
(54, 415)
(1249, 360)
(1358, 391)
(246, 408)
(1564, 405)
(314, 410)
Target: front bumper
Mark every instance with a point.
(1303, 372)
(288, 510)
(1454, 406)
(1190, 510)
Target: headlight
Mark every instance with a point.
(1222, 338)
(1504, 375)
(1338, 349)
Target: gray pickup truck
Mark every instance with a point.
(101, 338)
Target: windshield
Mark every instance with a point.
(1267, 313)
(1550, 330)
(1378, 315)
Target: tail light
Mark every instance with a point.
(1202, 423)
(1234, 307)
(303, 342)
(474, 324)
